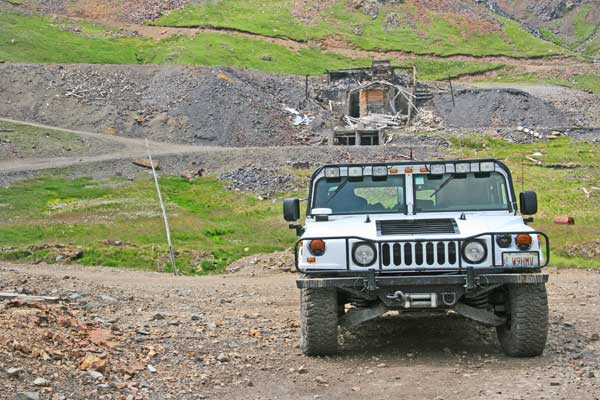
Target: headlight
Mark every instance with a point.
(364, 254)
(474, 251)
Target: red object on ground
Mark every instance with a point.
(564, 220)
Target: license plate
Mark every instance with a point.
(522, 259)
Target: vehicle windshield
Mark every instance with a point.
(461, 192)
(345, 196)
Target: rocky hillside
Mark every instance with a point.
(572, 24)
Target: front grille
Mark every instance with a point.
(442, 254)
(417, 227)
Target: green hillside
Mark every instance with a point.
(40, 39)
(407, 26)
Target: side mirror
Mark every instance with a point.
(291, 210)
(529, 203)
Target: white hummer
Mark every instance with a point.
(420, 236)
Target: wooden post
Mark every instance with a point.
(306, 87)
(414, 93)
(452, 92)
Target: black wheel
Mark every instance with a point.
(319, 320)
(526, 329)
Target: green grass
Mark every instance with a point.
(559, 190)
(429, 69)
(43, 40)
(211, 227)
(227, 50)
(593, 50)
(510, 74)
(443, 34)
(587, 82)
(551, 37)
(583, 29)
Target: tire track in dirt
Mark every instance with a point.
(236, 337)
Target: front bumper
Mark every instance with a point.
(469, 280)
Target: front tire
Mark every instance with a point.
(319, 320)
(526, 331)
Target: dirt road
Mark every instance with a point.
(236, 337)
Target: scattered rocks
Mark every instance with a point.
(264, 181)
(14, 372)
(302, 370)
(586, 250)
(476, 108)
(41, 382)
(157, 317)
(95, 375)
(28, 396)
(93, 363)
(107, 299)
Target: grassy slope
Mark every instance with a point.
(42, 40)
(443, 34)
(559, 190)
(211, 227)
(38, 39)
(590, 83)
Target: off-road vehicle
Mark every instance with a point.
(441, 236)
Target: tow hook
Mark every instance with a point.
(471, 282)
(415, 300)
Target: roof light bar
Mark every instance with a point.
(380, 170)
(355, 172)
(488, 166)
(332, 172)
(437, 169)
(463, 168)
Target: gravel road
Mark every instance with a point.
(236, 337)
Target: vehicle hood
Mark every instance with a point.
(358, 226)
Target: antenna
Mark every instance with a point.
(164, 210)
(522, 175)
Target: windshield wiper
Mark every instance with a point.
(336, 191)
(447, 181)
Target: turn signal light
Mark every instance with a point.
(523, 241)
(317, 247)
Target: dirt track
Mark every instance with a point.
(236, 337)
